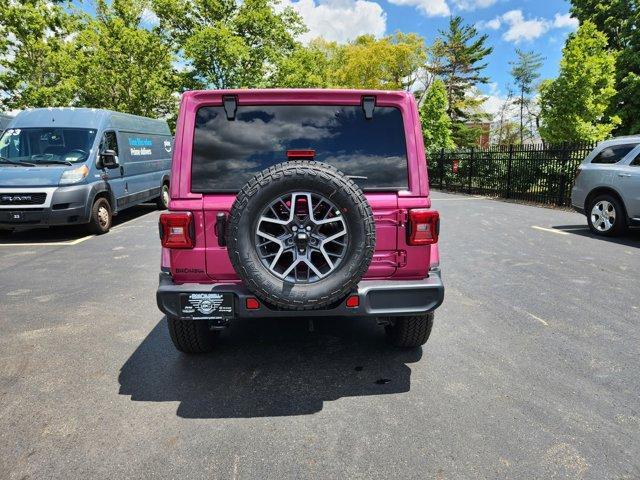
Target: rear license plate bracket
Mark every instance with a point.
(207, 305)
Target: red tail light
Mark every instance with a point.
(177, 230)
(424, 226)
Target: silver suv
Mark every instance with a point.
(607, 186)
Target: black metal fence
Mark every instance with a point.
(532, 173)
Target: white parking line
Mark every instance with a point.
(48, 244)
(552, 230)
(544, 322)
(535, 317)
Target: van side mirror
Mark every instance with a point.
(108, 159)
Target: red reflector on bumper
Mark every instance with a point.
(353, 301)
(252, 303)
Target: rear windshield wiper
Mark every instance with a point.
(16, 162)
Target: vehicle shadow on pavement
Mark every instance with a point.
(69, 233)
(630, 239)
(269, 367)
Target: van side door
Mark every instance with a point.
(147, 162)
(113, 176)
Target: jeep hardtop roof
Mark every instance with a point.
(193, 101)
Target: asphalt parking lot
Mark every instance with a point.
(531, 370)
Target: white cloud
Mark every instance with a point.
(519, 28)
(494, 101)
(473, 4)
(443, 8)
(565, 21)
(339, 20)
(430, 8)
(494, 24)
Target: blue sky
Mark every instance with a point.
(538, 25)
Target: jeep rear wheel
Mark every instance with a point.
(409, 332)
(301, 235)
(191, 336)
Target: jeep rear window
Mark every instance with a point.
(227, 153)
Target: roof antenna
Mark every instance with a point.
(368, 105)
(230, 106)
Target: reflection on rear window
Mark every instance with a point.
(227, 153)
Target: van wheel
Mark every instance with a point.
(606, 216)
(163, 200)
(191, 336)
(410, 332)
(101, 217)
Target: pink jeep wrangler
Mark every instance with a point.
(298, 203)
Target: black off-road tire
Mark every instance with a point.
(96, 226)
(620, 225)
(307, 176)
(162, 201)
(192, 336)
(409, 332)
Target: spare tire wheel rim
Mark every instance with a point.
(301, 237)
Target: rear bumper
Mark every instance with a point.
(378, 298)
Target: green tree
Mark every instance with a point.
(229, 44)
(436, 124)
(620, 22)
(36, 51)
(525, 71)
(573, 106)
(309, 66)
(460, 54)
(389, 63)
(123, 66)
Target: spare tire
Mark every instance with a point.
(301, 235)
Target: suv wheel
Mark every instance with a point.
(409, 332)
(606, 216)
(191, 336)
(163, 200)
(101, 216)
(301, 235)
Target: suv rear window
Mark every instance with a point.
(227, 153)
(611, 155)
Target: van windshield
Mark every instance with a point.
(227, 153)
(46, 145)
